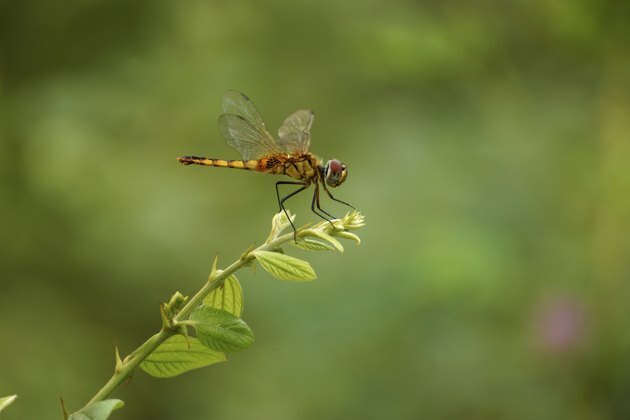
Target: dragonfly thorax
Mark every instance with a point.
(335, 173)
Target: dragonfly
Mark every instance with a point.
(288, 154)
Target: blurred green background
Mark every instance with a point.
(487, 144)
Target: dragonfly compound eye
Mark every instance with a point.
(336, 173)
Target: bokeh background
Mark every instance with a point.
(488, 147)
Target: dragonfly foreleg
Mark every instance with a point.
(333, 198)
(315, 202)
(304, 185)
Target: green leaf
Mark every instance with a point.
(326, 237)
(228, 297)
(284, 267)
(5, 401)
(349, 235)
(97, 411)
(278, 224)
(177, 355)
(312, 245)
(353, 221)
(220, 330)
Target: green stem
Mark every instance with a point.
(131, 362)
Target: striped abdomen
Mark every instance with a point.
(221, 163)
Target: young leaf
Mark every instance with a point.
(99, 410)
(278, 224)
(326, 237)
(284, 267)
(220, 330)
(312, 245)
(228, 297)
(178, 355)
(353, 220)
(5, 401)
(348, 235)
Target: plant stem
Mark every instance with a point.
(131, 362)
(121, 375)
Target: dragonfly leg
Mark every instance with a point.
(316, 202)
(333, 198)
(304, 185)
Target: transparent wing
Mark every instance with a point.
(245, 138)
(243, 129)
(295, 133)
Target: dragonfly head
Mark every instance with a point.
(335, 172)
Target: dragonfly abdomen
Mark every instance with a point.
(220, 163)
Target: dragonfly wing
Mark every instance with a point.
(295, 133)
(243, 128)
(245, 138)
